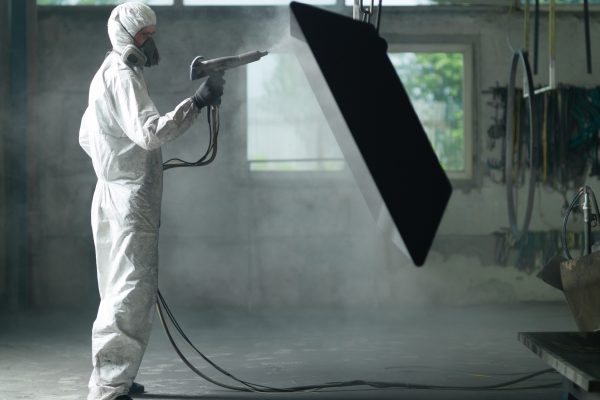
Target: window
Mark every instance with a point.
(497, 3)
(252, 2)
(287, 130)
(407, 3)
(438, 80)
(98, 2)
(578, 3)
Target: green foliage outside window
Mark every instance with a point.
(434, 83)
(560, 2)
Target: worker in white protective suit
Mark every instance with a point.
(122, 132)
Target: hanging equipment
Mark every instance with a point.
(519, 232)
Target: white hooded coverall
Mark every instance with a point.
(122, 131)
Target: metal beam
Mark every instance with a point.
(3, 131)
(15, 160)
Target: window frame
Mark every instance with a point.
(469, 90)
(179, 4)
(544, 8)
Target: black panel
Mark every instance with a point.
(352, 60)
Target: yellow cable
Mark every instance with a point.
(545, 137)
(516, 136)
(552, 29)
(526, 26)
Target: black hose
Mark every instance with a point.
(186, 361)
(163, 308)
(211, 151)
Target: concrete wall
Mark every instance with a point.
(234, 238)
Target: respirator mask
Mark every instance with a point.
(151, 52)
(144, 56)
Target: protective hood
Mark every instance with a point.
(132, 16)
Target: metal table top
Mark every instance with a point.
(576, 355)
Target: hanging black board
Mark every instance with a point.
(374, 123)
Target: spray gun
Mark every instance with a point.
(201, 67)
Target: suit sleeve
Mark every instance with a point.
(139, 118)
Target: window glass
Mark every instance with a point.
(432, 2)
(435, 84)
(287, 130)
(251, 2)
(398, 2)
(502, 3)
(98, 2)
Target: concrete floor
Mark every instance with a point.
(46, 356)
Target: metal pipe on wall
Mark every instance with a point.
(552, 44)
(3, 129)
(536, 38)
(15, 147)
